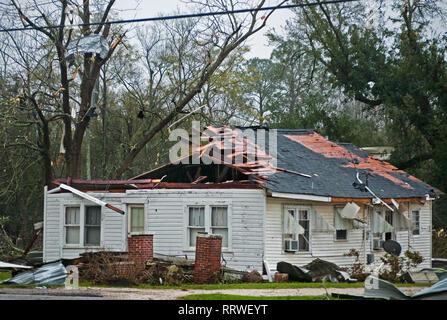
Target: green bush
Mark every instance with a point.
(439, 243)
(395, 266)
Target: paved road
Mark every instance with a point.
(48, 294)
(84, 293)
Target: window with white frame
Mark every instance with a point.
(415, 218)
(304, 221)
(341, 225)
(136, 219)
(219, 223)
(82, 225)
(381, 227)
(92, 226)
(210, 219)
(72, 225)
(196, 223)
(296, 229)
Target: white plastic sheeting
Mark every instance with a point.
(93, 43)
(347, 218)
(291, 223)
(319, 224)
(341, 223)
(380, 225)
(402, 223)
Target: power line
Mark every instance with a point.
(184, 16)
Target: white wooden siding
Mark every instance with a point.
(256, 227)
(423, 241)
(323, 244)
(165, 219)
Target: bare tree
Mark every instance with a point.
(216, 38)
(54, 25)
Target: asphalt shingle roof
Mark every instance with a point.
(333, 168)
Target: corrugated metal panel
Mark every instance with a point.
(6, 265)
(52, 273)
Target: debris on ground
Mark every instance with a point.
(281, 277)
(6, 265)
(340, 276)
(295, 273)
(423, 276)
(230, 275)
(168, 272)
(253, 277)
(115, 268)
(440, 272)
(376, 288)
(316, 271)
(51, 273)
(319, 268)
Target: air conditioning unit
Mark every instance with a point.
(378, 244)
(291, 245)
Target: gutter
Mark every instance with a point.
(300, 196)
(85, 196)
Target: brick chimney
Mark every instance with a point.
(140, 249)
(208, 255)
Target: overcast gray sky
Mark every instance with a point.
(152, 8)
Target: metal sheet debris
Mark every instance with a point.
(423, 276)
(438, 291)
(6, 265)
(376, 288)
(51, 273)
(93, 43)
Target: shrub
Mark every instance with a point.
(395, 266)
(439, 243)
(357, 271)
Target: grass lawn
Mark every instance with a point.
(5, 275)
(265, 285)
(237, 297)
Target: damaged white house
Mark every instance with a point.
(318, 199)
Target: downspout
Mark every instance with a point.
(364, 237)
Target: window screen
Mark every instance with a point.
(137, 219)
(416, 219)
(196, 223)
(92, 226)
(219, 223)
(304, 238)
(72, 225)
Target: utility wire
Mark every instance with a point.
(184, 16)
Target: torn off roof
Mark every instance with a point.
(304, 162)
